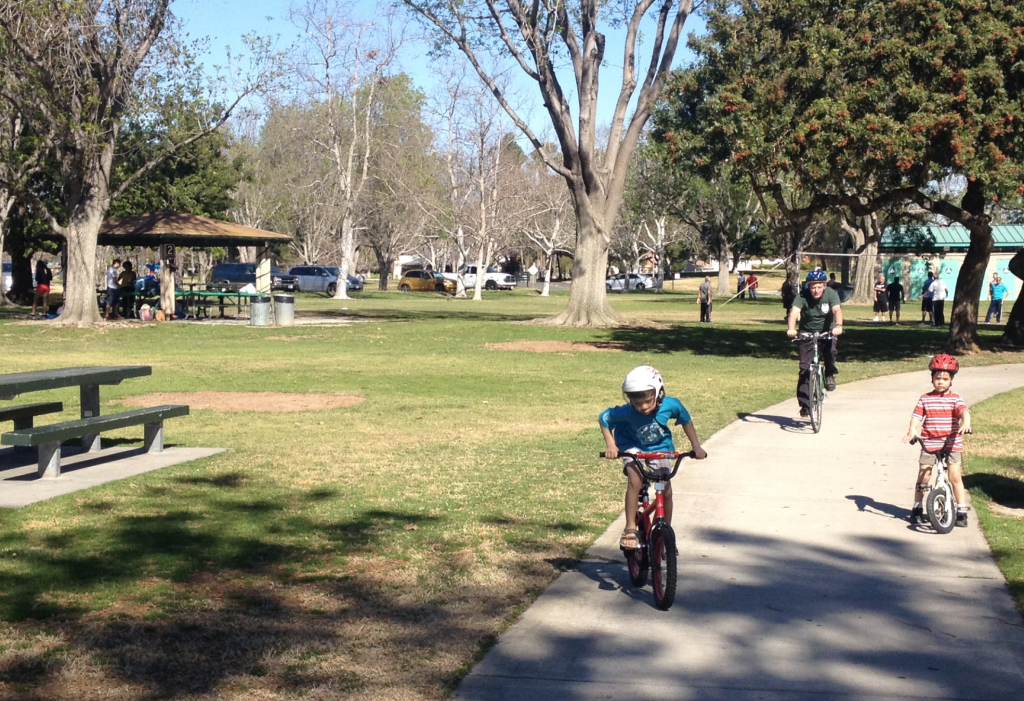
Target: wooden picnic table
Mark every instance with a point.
(88, 379)
(204, 300)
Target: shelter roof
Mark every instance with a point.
(182, 229)
(937, 238)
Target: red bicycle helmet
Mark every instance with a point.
(945, 362)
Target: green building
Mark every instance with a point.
(912, 252)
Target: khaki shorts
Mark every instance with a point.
(929, 458)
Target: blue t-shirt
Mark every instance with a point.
(644, 432)
(999, 291)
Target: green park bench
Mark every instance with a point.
(23, 415)
(48, 439)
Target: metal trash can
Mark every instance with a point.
(259, 311)
(284, 309)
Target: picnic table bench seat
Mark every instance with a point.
(49, 438)
(23, 415)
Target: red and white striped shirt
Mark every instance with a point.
(938, 414)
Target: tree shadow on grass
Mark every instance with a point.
(858, 344)
(1000, 489)
(229, 615)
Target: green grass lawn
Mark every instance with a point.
(994, 472)
(372, 551)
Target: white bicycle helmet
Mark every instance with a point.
(642, 379)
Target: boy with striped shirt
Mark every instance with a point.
(939, 420)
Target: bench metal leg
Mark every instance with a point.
(90, 395)
(154, 440)
(20, 424)
(49, 460)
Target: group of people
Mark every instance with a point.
(888, 298)
(746, 285)
(120, 282)
(933, 301)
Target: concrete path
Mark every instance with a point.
(800, 578)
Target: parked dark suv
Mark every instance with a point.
(234, 276)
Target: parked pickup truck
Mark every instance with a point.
(493, 280)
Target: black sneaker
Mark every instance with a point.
(961, 519)
(804, 413)
(917, 515)
(830, 383)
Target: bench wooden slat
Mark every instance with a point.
(56, 433)
(27, 411)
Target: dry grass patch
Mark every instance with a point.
(562, 346)
(245, 401)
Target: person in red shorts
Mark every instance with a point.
(41, 298)
(939, 420)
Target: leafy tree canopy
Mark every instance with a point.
(856, 96)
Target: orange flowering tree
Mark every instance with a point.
(862, 105)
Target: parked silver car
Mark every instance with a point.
(321, 278)
(636, 282)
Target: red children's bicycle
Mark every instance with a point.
(656, 552)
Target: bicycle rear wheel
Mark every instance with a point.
(663, 566)
(941, 509)
(817, 399)
(639, 565)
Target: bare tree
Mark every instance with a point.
(536, 36)
(342, 64)
(550, 227)
(86, 63)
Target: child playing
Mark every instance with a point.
(935, 423)
(642, 426)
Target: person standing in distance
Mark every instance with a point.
(926, 299)
(895, 294)
(113, 291)
(881, 300)
(816, 308)
(939, 294)
(997, 291)
(704, 296)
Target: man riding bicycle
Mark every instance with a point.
(816, 308)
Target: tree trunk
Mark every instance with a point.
(347, 250)
(865, 273)
(80, 306)
(963, 320)
(588, 300)
(546, 290)
(1013, 334)
(724, 280)
(479, 281)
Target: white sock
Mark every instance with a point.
(917, 505)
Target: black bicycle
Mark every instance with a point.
(816, 401)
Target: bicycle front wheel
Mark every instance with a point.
(941, 509)
(817, 399)
(663, 566)
(639, 565)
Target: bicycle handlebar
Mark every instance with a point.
(637, 457)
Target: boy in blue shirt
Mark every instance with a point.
(642, 426)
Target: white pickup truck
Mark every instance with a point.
(493, 280)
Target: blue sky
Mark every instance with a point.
(226, 21)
